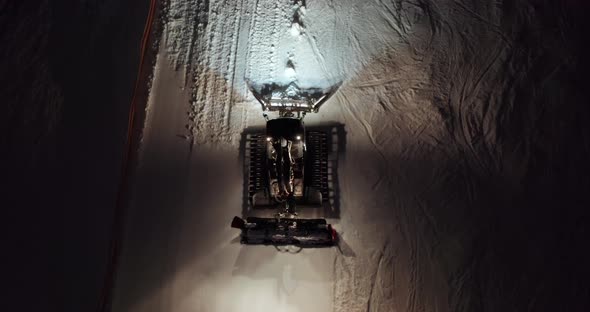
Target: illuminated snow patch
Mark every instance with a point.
(296, 30)
(290, 74)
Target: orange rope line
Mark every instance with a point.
(119, 215)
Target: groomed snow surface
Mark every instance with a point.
(441, 104)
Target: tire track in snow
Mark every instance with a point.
(394, 21)
(214, 74)
(415, 244)
(495, 28)
(233, 61)
(464, 107)
(369, 132)
(251, 33)
(376, 276)
(314, 45)
(265, 34)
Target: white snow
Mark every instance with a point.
(406, 203)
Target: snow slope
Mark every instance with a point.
(442, 105)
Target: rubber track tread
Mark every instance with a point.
(317, 153)
(256, 145)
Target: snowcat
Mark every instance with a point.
(287, 170)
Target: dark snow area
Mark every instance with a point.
(463, 181)
(67, 70)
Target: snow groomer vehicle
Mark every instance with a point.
(287, 170)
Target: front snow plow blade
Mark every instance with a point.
(291, 97)
(286, 231)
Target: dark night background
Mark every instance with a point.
(67, 75)
(67, 70)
